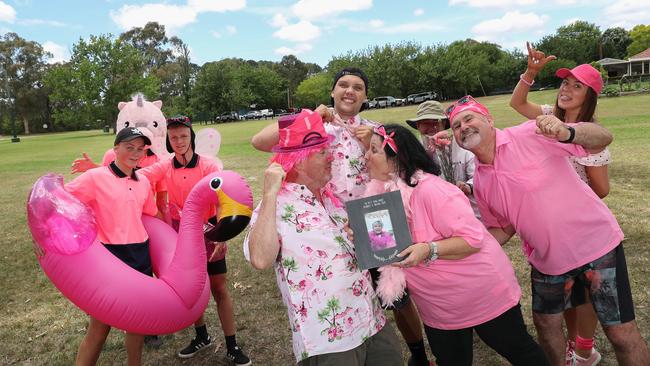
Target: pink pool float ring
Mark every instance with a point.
(107, 289)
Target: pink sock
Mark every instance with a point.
(584, 343)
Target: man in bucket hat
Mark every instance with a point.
(334, 314)
(456, 163)
(571, 239)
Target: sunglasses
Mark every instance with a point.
(464, 100)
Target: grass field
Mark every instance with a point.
(38, 326)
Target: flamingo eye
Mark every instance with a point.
(215, 183)
(155, 124)
(127, 123)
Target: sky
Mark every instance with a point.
(313, 30)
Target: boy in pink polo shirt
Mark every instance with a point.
(118, 197)
(523, 183)
(180, 173)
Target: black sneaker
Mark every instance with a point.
(237, 356)
(152, 341)
(195, 346)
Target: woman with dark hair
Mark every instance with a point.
(576, 102)
(456, 272)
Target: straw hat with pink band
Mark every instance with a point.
(464, 104)
(585, 74)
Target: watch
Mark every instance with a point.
(433, 251)
(572, 135)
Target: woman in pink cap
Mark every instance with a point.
(576, 102)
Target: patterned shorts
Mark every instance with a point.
(604, 280)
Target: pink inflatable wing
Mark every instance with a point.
(109, 290)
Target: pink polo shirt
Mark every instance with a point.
(118, 202)
(532, 186)
(180, 179)
(146, 160)
(456, 294)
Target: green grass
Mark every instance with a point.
(38, 326)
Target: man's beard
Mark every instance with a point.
(470, 140)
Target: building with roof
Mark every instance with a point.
(638, 64)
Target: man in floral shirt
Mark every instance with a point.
(334, 314)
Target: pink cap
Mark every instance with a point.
(305, 130)
(585, 74)
(464, 104)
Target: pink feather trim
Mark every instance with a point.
(391, 284)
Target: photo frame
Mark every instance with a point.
(380, 229)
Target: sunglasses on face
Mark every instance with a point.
(464, 100)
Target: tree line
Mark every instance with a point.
(104, 70)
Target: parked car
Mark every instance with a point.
(383, 102)
(421, 97)
(228, 117)
(400, 101)
(253, 115)
(267, 113)
(372, 103)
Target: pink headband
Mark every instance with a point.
(388, 138)
(466, 103)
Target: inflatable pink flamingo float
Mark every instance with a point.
(109, 290)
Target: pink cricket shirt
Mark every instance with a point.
(533, 187)
(118, 202)
(456, 294)
(180, 179)
(147, 160)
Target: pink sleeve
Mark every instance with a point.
(448, 215)
(109, 157)
(547, 144)
(150, 207)
(155, 173)
(83, 187)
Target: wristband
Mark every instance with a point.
(572, 135)
(529, 83)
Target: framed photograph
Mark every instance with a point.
(380, 229)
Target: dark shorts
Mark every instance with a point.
(400, 303)
(135, 256)
(605, 281)
(217, 267)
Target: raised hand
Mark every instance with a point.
(273, 177)
(82, 164)
(537, 60)
(364, 134)
(325, 113)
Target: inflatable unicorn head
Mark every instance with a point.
(146, 116)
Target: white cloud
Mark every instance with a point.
(215, 34)
(512, 21)
(173, 17)
(300, 48)
(376, 23)
(279, 20)
(492, 3)
(565, 2)
(7, 13)
(231, 29)
(417, 12)
(59, 53)
(218, 6)
(302, 31)
(627, 13)
(315, 9)
(52, 23)
(375, 27)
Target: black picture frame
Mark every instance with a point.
(380, 229)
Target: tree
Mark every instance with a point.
(640, 36)
(218, 88)
(293, 71)
(614, 43)
(24, 65)
(579, 41)
(314, 90)
(101, 73)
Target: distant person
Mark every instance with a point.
(456, 163)
(524, 184)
